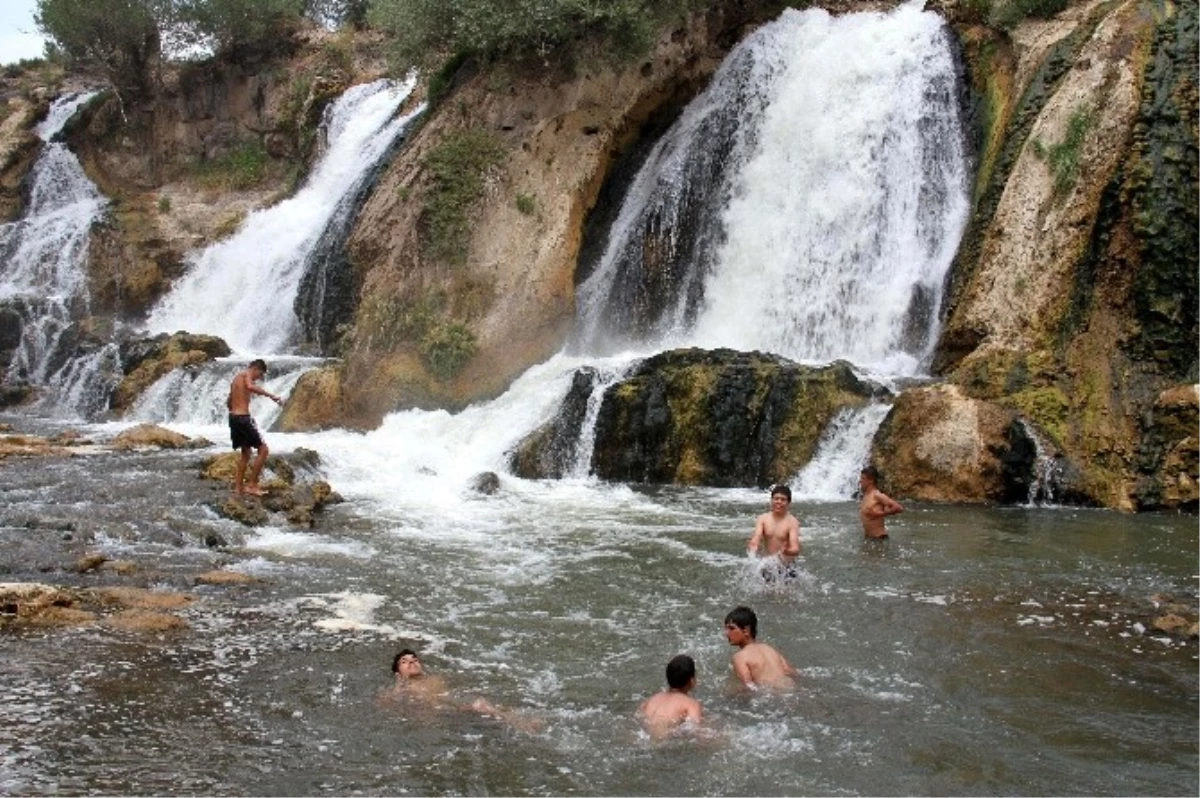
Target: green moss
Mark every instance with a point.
(1063, 156)
(1046, 407)
(525, 204)
(458, 166)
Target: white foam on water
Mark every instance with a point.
(304, 545)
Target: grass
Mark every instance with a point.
(526, 204)
(1063, 158)
(458, 167)
(243, 166)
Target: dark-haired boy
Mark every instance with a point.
(664, 712)
(756, 664)
(779, 532)
(242, 429)
(875, 505)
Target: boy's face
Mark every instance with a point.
(779, 503)
(736, 635)
(409, 667)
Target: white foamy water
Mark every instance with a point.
(845, 447)
(243, 289)
(43, 258)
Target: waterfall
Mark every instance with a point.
(844, 448)
(194, 396)
(1046, 474)
(607, 375)
(808, 203)
(43, 276)
(244, 289)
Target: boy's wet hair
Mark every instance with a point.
(680, 670)
(404, 652)
(260, 364)
(871, 473)
(782, 489)
(743, 618)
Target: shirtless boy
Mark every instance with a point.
(779, 531)
(756, 664)
(242, 430)
(875, 505)
(412, 682)
(664, 712)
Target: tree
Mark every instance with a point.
(225, 24)
(122, 36)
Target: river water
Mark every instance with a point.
(979, 651)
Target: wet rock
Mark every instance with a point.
(150, 435)
(138, 620)
(721, 418)
(937, 444)
(120, 567)
(214, 541)
(549, 451)
(225, 578)
(1174, 625)
(301, 516)
(248, 512)
(146, 360)
(140, 598)
(25, 599)
(69, 437)
(54, 524)
(31, 446)
(90, 562)
(487, 483)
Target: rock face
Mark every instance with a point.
(293, 487)
(1073, 300)
(720, 418)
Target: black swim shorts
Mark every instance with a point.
(770, 571)
(243, 432)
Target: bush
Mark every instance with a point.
(525, 204)
(426, 28)
(458, 166)
(446, 348)
(1063, 158)
(240, 168)
(1007, 14)
(229, 23)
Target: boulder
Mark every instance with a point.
(937, 444)
(138, 620)
(151, 436)
(225, 578)
(487, 483)
(549, 451)
(720, 417)
(248, 512)
(146, 360)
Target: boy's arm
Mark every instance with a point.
(262, 392)
(793, 543)
(694, 713)
(890, 505)
(741, 667)
(756, 538)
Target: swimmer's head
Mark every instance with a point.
(260, 366)
(781, 490)
(869, 473)
(407, 664)
(743, 618)
(680, 671)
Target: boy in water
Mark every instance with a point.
(412, 681)
(756, 664)
(242, 430)
(779, 531)
(664, 712)
(875, 505)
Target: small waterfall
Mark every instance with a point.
(43, 277)
(607, 375)
(1046, 474)
(807, 204)
(845, 447)
(244, 289)
(195, 395)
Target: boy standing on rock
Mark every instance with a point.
(242, 429)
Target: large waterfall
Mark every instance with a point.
(43, 276)
(808, 203)
(244, 289)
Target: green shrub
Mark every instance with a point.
(164, 204)
(242, 167)
(1007, 14)
(525, 204)
(458, 166)
(446, 348)
(519, 27)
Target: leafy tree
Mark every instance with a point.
(226, 24)
(336, 13)
(122, 36)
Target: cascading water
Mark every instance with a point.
(244, 289)
(43, 277)
(797, 207)
(832, 473)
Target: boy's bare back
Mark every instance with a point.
(760, 665)
(663, 712)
